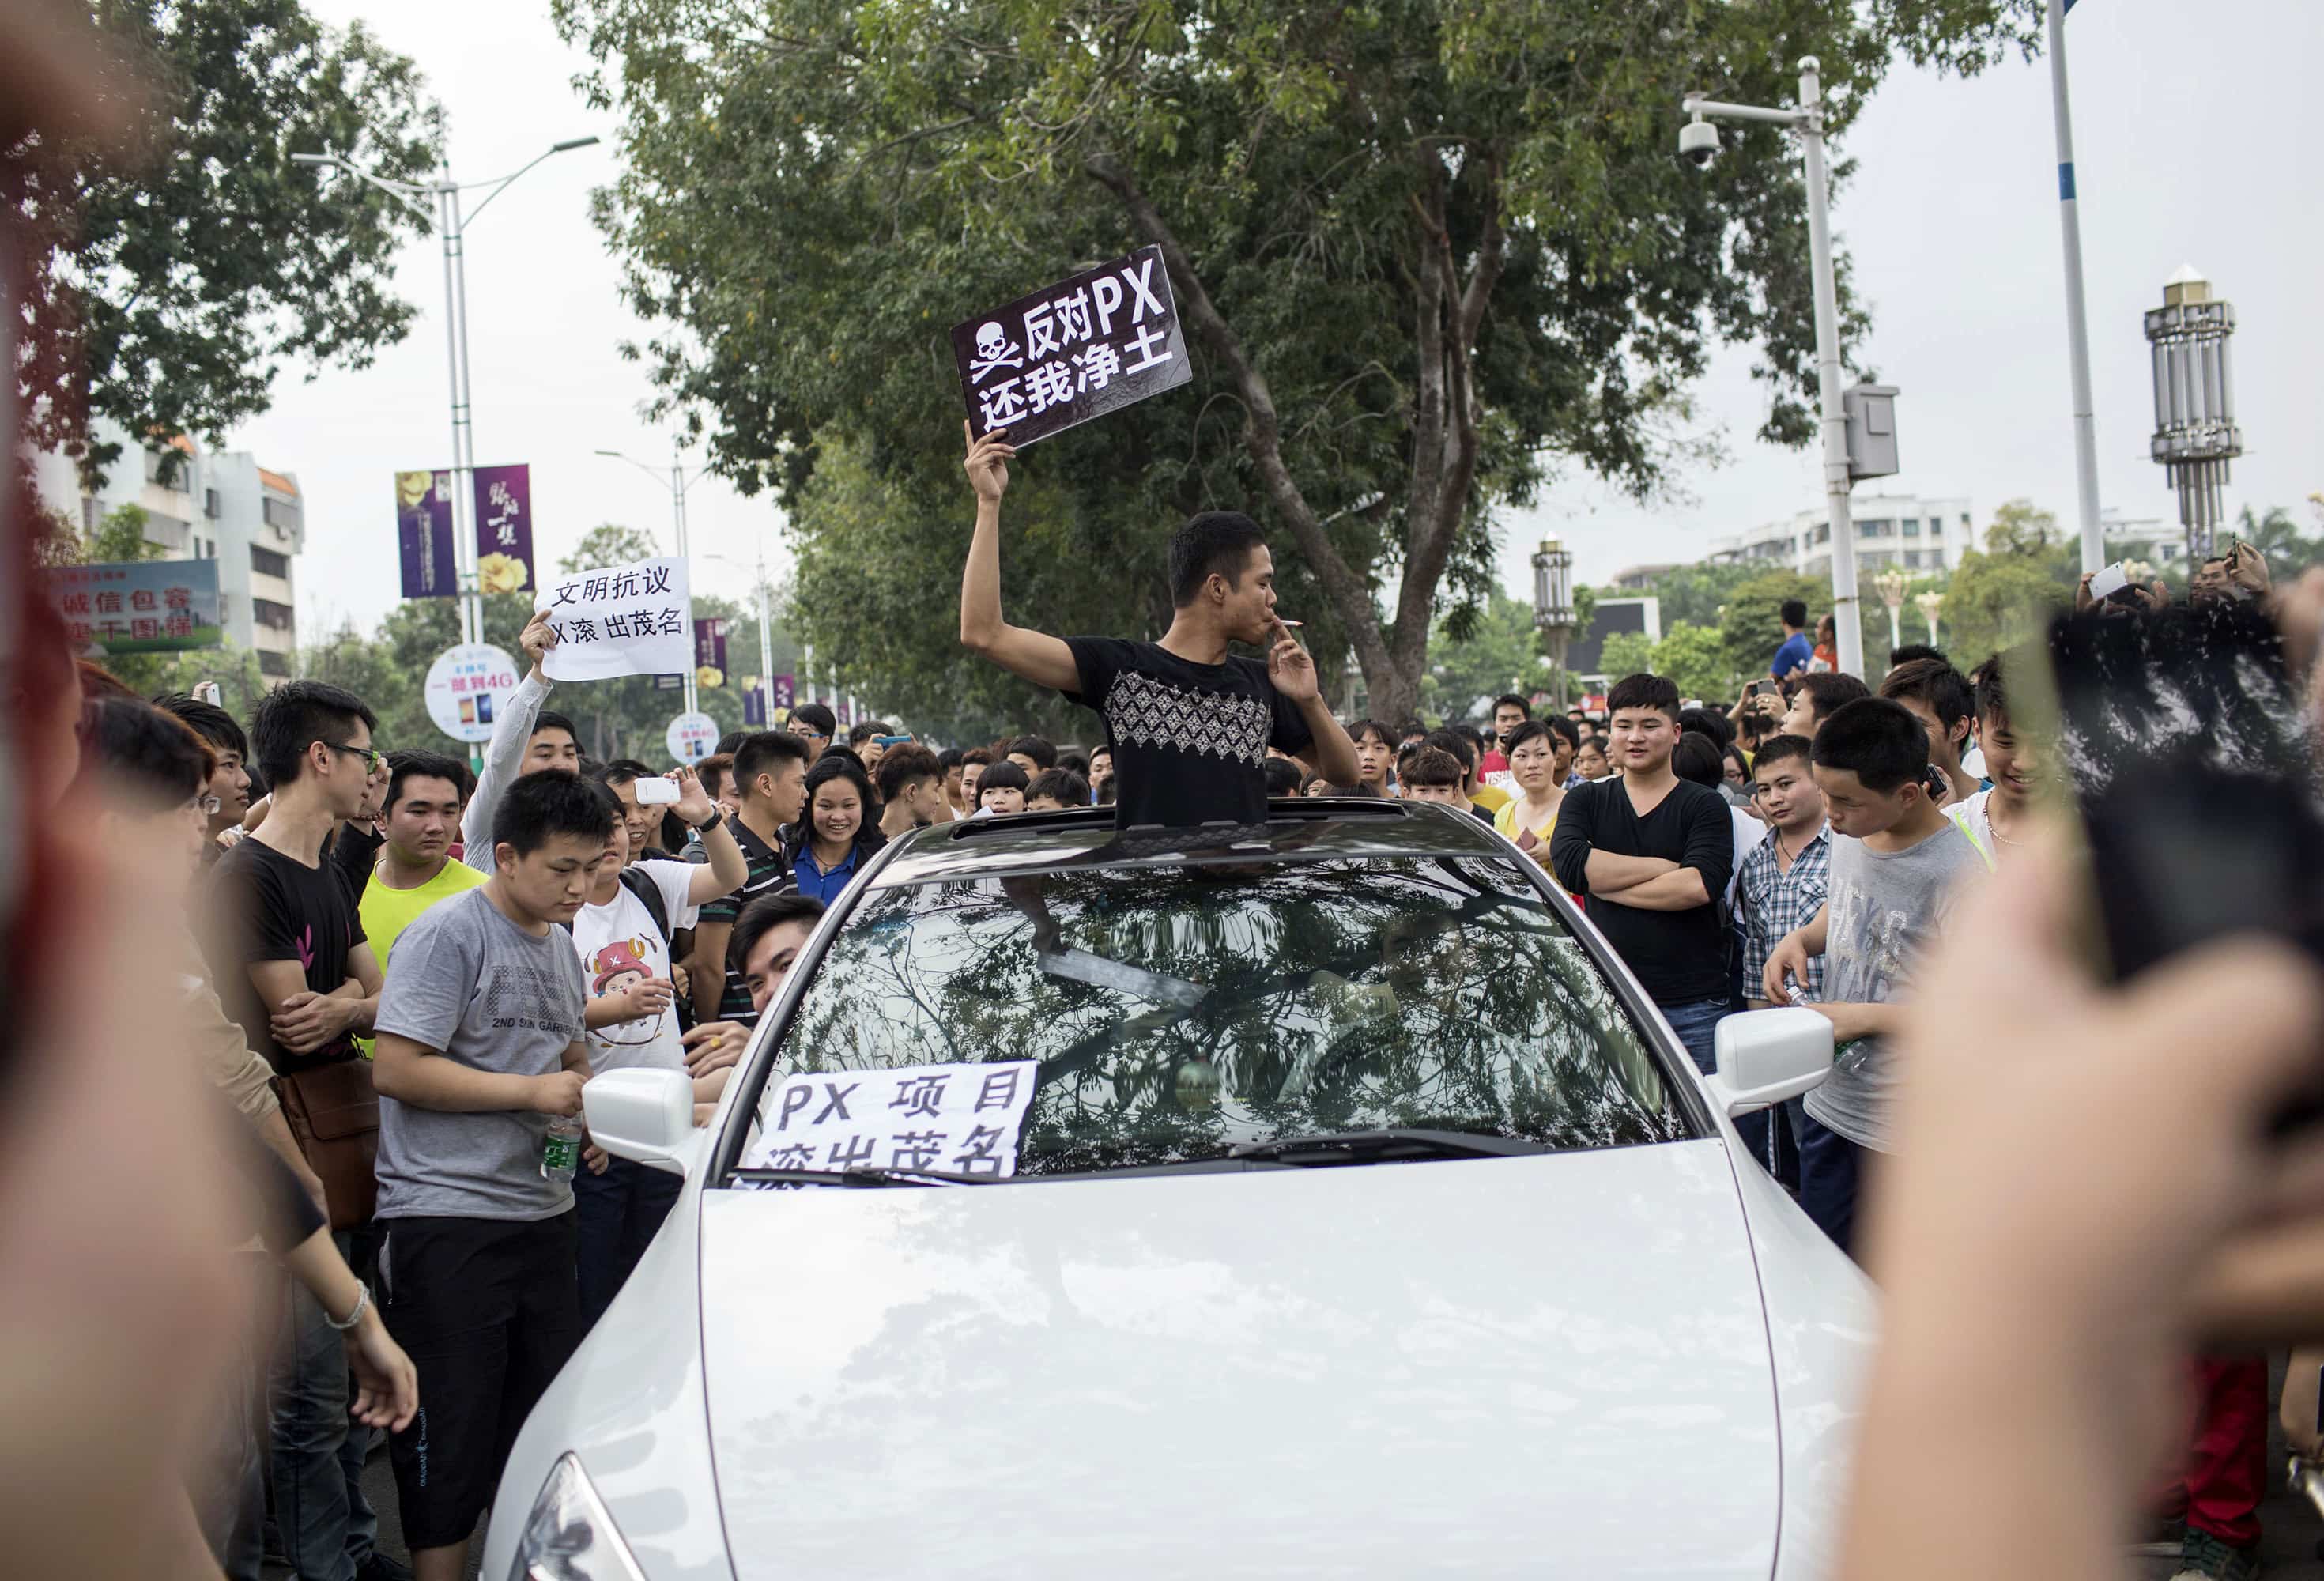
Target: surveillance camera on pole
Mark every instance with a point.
(1699, 140)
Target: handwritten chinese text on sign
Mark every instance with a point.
(624, 620)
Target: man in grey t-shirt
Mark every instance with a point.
(1895, 868)
(480, 1044)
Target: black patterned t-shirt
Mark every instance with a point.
(1189, 740)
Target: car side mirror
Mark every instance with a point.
(644, 1115)
(1765, 1056)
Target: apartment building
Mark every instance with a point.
(226, 507)
(1907, 532)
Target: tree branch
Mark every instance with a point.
(1262, 427)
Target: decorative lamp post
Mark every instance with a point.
(2195, 432)
(1890, 585)
(1553, 603)
(1929, 604)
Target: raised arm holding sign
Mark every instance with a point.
(1189, 725)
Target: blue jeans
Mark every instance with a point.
(230, 1487)
(1695, 1020)
(1832, 1169)
(326, 1525)
(617, 1214)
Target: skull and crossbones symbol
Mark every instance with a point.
(993, 350)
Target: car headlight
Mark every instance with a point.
(569, 1536)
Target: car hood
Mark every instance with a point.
(1551, 1364)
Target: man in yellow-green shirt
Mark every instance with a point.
(415, 869)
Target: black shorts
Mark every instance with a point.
(488, 1310)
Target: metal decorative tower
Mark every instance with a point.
(2195, 432)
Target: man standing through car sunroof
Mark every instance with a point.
(1188, 723)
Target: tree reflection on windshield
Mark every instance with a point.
(1176, 1011)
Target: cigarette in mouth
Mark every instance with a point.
(1280, 620)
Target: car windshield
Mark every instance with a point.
(1178, 1012)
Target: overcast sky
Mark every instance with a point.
(1952, 220)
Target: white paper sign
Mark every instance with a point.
(625, 620)
(956, 1119)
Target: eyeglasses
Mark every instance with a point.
(373, 759)
(208, 806)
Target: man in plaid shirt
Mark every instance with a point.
(1781, 886)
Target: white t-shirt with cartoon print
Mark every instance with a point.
(619, 945)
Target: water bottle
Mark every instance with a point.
(560, 1149)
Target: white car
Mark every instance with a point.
(1365, 1217)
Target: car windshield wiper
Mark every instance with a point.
(1364, 1147)
(869, 1176)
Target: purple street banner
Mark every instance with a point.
(786, 690)
(754, 706)
(710, 650)
(1091, 344)
(503, 529)
(423, 534)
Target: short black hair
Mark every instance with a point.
(949, 759)
(1511, 700)
(206, 720)
(1776, 748)
(1658, 692)
(1044, 755)
(621, 772)
(297, 714)
(1074, 758)
(1283, 777)
(728, 743)
(905, 764)
(550, 802)
(1932, 682)
(1566, 728)
(1912, 651)
(421, 765)
(762, 751)
(764, 915)
(1213, 542)
(713, 771)
(144, 750)
(866, 729)
(1709, 722)
(1463, 750)
(1696, 758)
(1363, 728)
(551, 719)
(1877, 739)
(1105, 793)
(1104, 747)
(1064, 785)
(1409, 730)
(1830, 690)
(1524, 731)
(1001, 775)
(816, 718)
(1596, 743)
(1992, 694)
(978, 755)
(1795, 612)
(1434, 768)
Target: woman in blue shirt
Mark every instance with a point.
(838, 833)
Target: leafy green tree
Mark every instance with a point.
(1695, 595)
(1626, 653)
(167, 290)
(2277, 537)
(1752, 624)
(2021, 529)
(1695, 661)
(1424, 252)
(1498, 655)
(1995, 600)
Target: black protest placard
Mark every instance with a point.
(1078, 349)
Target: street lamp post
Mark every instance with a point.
(1929, 603)
(1890, 585)
(2195, 431)
(443, 196)
(766, 643)
(678, 484)
(1699, 142)
(2077, 333)
(1553, 603)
